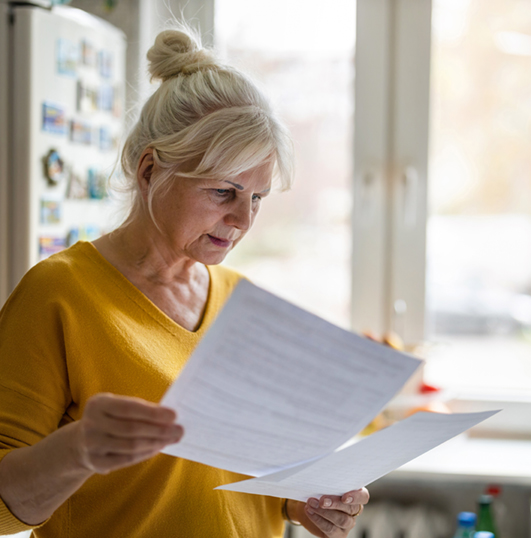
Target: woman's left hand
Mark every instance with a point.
(330, 516)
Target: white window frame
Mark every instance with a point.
(392, 113)
(391, 167)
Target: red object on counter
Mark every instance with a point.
(426, 389)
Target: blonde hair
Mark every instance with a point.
(205, 120)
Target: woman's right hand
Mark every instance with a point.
(114, 432)
(119, 431)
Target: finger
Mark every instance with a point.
(337, 518)
(120, 446)
(333, 503)
(326, 526)
(130, 408)
(358, 496)
(349, 502)
(134, 428)
(104, 464)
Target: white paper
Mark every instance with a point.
(271, 386)
(367, 460)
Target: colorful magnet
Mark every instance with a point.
(53, 167)
(77, 188)
(106, 98)
(80, 132)
(53, 119)
(88, 53)
(86, 98)
(67, 57)
(51, 211)
(117, 102)
(97, 184)
(105, 63)
(50, 245)
(106, 139)
(83, 233)
(72, 237)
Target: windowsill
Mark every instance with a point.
(513, 422)
(468, 459)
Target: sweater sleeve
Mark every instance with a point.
(34, 390)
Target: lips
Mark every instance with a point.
(219, 241)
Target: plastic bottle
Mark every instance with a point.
(466, 524)
(485, 516)
(483, 534)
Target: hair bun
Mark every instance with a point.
(176, 52)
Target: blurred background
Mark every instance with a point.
(411, 210)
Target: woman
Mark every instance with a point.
(121, 315)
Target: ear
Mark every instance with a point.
(144, 171)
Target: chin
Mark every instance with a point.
(211, 258)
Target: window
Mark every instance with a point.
(478, 301)
(300, 244)
(440, 231)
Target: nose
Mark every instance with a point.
(240, 215)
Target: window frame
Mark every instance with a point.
(392, 90)
(390, 185)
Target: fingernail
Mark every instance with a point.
(327, 503)
(313, 503)
(348, 500)
(310, 511)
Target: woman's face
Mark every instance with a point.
(204, 219)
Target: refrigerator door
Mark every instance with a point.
(67, 117)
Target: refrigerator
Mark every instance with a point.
(62, 84)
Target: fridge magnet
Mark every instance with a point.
(54, 167)
(86, 98)
(50, 211)
(106, 97)
(50, 245)
(105, 63)
(83, 233)
(77, 188)
(117, 103)
(97, 184)
(67, 57)
(106, 139)
(80, 132)
(88, 53)
(72, 237)
(53, 119)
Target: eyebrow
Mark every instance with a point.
(241, 188)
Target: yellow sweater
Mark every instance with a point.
(75, 326)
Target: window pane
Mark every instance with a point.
(479, 232)
(300, 244)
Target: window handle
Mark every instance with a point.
(367, 196)
(410, 186)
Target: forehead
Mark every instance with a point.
(257, 179)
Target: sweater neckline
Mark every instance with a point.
(143, 301)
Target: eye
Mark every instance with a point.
(257, 197)
(222, 194)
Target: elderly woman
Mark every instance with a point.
(92, 337)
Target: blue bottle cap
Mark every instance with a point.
(483, 534)
(466, 519)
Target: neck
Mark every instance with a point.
(142, 248)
